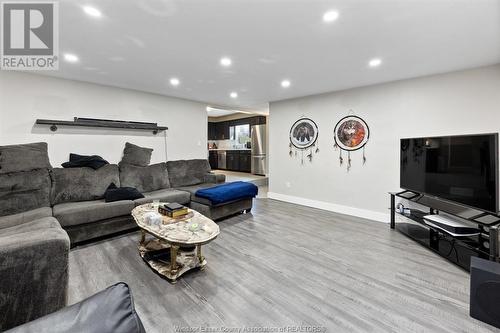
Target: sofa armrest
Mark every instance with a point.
(34, 274)
(215, 178)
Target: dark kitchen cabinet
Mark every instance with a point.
(212, 131)
(257, 120)
(236, 160)
(261, 120)
(222, 130)
(212, 159)
(218, 131)
(233, 160)
(242, 121)
(245, 161)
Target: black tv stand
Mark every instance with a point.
(456, 248)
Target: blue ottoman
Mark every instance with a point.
(220, 201)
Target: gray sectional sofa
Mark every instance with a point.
(41, 206)
(33, 247)
(75, 196)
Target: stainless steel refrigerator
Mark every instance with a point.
(259, 149)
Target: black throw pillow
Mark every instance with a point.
(78, 161)
(114, 193)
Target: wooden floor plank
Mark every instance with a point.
(288, 265)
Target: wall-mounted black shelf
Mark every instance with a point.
(104, 123)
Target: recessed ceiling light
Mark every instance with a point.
(174, 81)
(226, 62)
(330, 16)
(285, 83)
(234, 94)
(70, 57)
(91, 11)
(375, 62)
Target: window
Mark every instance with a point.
(240, 133)
(231, 133)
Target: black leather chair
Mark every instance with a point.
(109, 311)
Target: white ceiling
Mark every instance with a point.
(142, 44)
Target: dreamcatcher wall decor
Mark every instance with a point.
(304, 139)
(351, 133)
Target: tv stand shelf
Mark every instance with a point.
(457, 249)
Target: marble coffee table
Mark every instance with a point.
(175, 247)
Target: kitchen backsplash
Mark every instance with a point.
(226, 144)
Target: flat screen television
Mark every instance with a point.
(461, 169)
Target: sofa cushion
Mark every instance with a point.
(187, 172)
(82, 184)
(24, 191)
(79, 161)
(76, 213)
(24, 217)
(26, 157)
(144, 179)
(34, 271)
(215, 178)
(136, 155)
(192, 192)
(167, 195)
(32, 226)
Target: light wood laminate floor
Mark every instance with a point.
(285, 265)
(233, 176)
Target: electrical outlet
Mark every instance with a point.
(288, 184)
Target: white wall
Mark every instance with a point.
(455, 103)
(26, 97)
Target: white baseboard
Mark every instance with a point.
(358, 212)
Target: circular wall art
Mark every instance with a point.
(351, 133)
(304, 138)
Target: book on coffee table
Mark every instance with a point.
(173, 206)
(173, 210)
